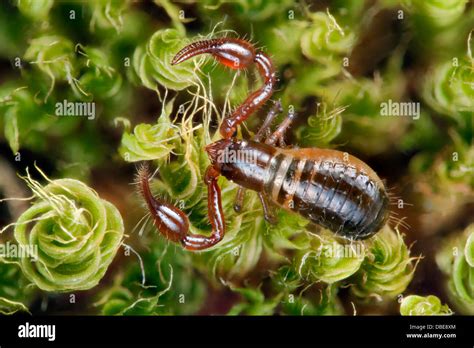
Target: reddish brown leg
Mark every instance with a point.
(239, 199)
(279, 134)
(174, 224)
(281, 142)
(268, 213)
(264, 130)
(236, 54)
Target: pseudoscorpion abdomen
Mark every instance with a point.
(330, 188)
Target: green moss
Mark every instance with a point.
(117, 54)
(456, 260)
(170, 287)
(423, 305)
(73, 233)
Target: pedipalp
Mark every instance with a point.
(235, 54)
(173, 224)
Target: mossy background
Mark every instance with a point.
(337, 62)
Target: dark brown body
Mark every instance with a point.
(328, 187)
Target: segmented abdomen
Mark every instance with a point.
(331, 188)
